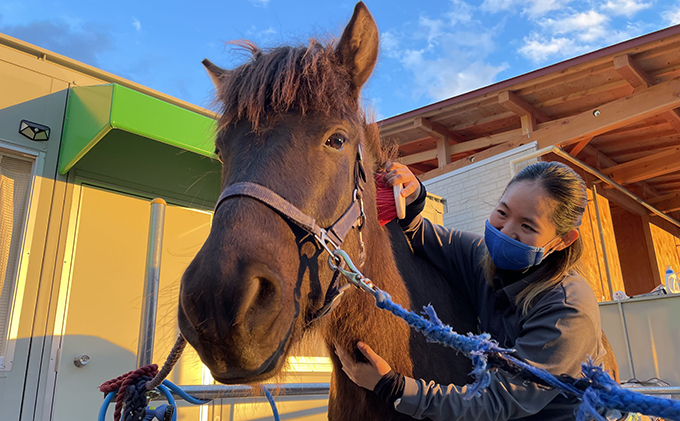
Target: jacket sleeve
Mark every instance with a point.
(454, 253)
(554, 337)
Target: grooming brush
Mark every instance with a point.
(391, 204)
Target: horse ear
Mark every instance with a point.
(215, 72)
(358, 46)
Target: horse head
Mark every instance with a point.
(292, 123)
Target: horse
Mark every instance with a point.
(299, 153)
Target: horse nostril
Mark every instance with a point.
(266, 293)
(261, 302)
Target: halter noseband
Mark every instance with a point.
(330, 238)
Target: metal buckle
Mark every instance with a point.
(353, 274)
(325, 240)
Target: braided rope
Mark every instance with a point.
(122, 383)
(129, 382)
(135, 399)
(170, 362)
(598, 391)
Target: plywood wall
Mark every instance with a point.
(666, 249)
(593, 256)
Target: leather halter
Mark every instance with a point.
(330, 238)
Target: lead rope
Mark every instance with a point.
(170, 362)
(132, 402)
(597, 390)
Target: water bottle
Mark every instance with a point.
(671, 280)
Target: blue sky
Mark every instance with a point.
(430, 49)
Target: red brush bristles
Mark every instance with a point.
(384, 197)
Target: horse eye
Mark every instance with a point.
(336, 141)
(219, 155)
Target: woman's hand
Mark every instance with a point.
(366, 375)
(400, 174)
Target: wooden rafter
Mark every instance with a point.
(579, 146)
(612, 115)
(573, 129)
(529, 115)
(645, 168)
(673, 117)
(418, 157)
(436, 130)
(516, 104)
(668, 205)
(630, 70)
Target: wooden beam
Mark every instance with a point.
(663, 197)
(586, 125)
(645, 168)
(613, 115)
(436, 130)
(488, 153)
(624, 201)
(418, 157)
(673, 118)
(630, 70)
(668, 205)
(579, 147)
(519, 106)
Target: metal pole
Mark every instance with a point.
(604, 245)
(152, 276)
(243, 391)
(311, 389)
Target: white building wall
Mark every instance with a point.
(473, 191)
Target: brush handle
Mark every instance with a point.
(399, 201)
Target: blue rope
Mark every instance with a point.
(135, 400)
(602, 391)
(270, 398)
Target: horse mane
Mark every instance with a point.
(288, 78)
(302, 79)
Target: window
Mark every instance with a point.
(15, 182)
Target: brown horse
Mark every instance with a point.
(292, 122)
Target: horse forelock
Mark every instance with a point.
(304, 79)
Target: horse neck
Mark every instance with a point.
(358, 318)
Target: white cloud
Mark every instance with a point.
(388, 42)
(539, 49)
(624, 7)
(259, 3)
(444, 77)
(588, 26)
(533, 8)
(672, 16)
(461, 12)
(434, 27)
(136, 23)
(444, 60)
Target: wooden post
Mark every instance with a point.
(443, 152)
(636, 251)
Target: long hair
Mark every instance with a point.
(568, 190)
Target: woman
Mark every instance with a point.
(522, 279)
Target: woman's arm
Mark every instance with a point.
(452, 252)
(556, 336)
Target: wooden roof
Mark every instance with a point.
(615, 108)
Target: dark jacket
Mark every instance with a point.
(560, 331)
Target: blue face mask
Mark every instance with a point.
(508, 253)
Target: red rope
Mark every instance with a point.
(121, 383)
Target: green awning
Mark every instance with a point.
(124, 138)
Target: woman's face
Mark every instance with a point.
(524, 213)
